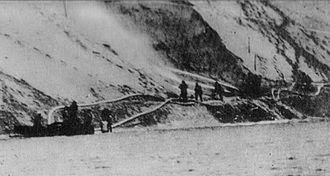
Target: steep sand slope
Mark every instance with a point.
(98, 51)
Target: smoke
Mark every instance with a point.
(103, 25)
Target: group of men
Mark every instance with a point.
(217, 92)
(71, 120)
(70, 115)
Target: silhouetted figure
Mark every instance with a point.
(88, 118)
(87, 125)
(252, 85)
(106, 124)
(110, 123)
(218, 91)
(248, 84)
(37, 121)
(183, 87)
(73, 110)
(198, 92)
(65, 114)
(72, 124)
(37, 128)
(67, 121)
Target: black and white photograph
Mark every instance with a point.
(164, 88)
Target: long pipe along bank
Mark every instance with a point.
(50, 118)
(167, 101)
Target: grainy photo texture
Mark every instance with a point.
(165, 88)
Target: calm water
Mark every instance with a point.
(277, 149)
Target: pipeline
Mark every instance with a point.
(53, 110)
(141, 114)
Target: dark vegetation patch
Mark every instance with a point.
(37, 49)
(241, 112)
(129, 70)
(317, 106)
(324, 42)
(110, 49)
(81, 44)
(19, 42)
(95, 94)
(7, 121)
(107, 59)
(96, 52)
(7, 35)
(48, 56)
(125, 89)
(121, 67)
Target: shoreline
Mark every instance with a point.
(162, 128)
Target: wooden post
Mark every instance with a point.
(65, 10)
(2, 91)
(255, 62)
(249, 47)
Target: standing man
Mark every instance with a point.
(106, 124)
(183, 87)
(65, 114)
(73, 110)
(73, 126)
(218, 90)
(37, 122)
(198, 92)
(37, 125)
(88, 122)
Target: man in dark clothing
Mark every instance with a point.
(183, 87)
(37, 121)
(65, 114)
(88, 120)
(252, 85)
(37, 126)
(106, 117)
(72, 125)
(73, 109)
(198, 92)
(218, 90)
(67, 121)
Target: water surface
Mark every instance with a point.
(275, 149)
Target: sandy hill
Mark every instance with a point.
(101, 50)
